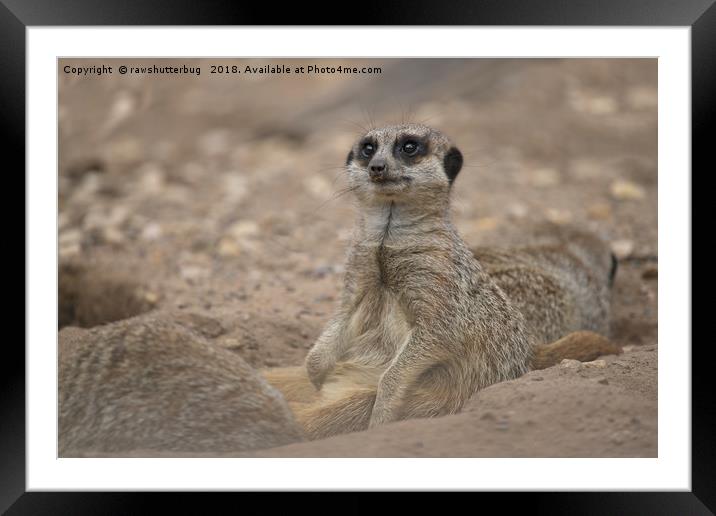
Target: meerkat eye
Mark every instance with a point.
(367, 150)
(410, 148)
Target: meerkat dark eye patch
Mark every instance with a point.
(410, 147)
(366, 149)
(349, 158)
(452, 163)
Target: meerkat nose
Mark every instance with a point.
(376, 168)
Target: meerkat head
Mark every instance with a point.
(403, 164)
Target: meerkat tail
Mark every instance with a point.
(293, 382)
(349, 413)
(344, 404)
(584, 346)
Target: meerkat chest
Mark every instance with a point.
(386, 265)
(378, 326)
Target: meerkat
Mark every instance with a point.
(154, 384)
(423, 321)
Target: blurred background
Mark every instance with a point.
(221, 194)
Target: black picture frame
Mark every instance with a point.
(17, 15)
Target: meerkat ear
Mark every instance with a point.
(452, 163)
(349, 158)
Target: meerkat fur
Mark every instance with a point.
(423, 321)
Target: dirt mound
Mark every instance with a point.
(606, 408)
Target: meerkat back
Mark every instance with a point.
(561, 280)
(151, 384)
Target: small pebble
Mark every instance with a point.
(624, 190)
(486, 223)
(544, 177)
(243, 229)
(593, 104)
(517, 211)
(234, 187)
(193, 272)
(125, 151)
(228, 247)
(599, 211)
(318, 186)
(70, 237)
(642, 97)
(558, 216)
(586, 169)
(215, 142)
(112, 235)
(599, 364)
(622, 248)
(601, 105)
(231, 343)
(151, 231)
(151, 179)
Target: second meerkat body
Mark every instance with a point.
(422, 324)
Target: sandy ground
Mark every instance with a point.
(222, 196)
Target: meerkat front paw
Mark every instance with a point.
(375, 420)
(318, 366)
(379, 416)
(381, 412)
